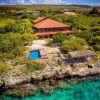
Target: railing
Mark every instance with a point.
(51, 29)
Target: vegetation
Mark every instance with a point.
(3, 68)
(33, 65)
(22, 26)
(96, 39)
(59, 38)
(5, 21)
(88, 36)
(44, 7)
(49, 41)
(94, 11)
(74, 43)
(97, 47)
(12, 45)
(16, 29)
(79, 22)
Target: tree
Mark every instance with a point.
(59, 37)
(25, 26)
(27, 38)
(22, 26)
(11, 27)
(96, 39)
(94, 11)
(13, 44)
(2, 30)
(95, 30)
(86, 35)
(74, 43)
(97, 47)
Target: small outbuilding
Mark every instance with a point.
(79, 56)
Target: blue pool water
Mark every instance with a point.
(84, 90)
(35, 54)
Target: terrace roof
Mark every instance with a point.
(84, 53)
(53, 32)
(48, 23)
(39, 19)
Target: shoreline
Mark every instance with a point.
(64, 89)
(57, 73)
(30, 88)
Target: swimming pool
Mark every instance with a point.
(34, 54)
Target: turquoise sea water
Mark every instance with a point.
(84, 90)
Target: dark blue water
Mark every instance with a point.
(84, 90)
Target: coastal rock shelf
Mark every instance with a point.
(49, 73)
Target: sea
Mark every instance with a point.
(88, 89)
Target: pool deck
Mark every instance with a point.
(48, 54)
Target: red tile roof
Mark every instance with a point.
(48, 23)
(51, 33)
(39, 19)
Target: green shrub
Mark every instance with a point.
(20, 26)
(97, 47)
(73, 44)
(13, 44)
(10, 41)
(85, 35)
(90, 48)
(33, 65)
(27, 38)
(94, 11)
(59, 37)
(3, 68)
(49, 41)
(96, 39)
(18, 51)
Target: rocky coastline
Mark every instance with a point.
(49, 73)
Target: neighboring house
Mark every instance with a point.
(12, 10)
(46, 27)
(34, 11)
(70, 13)
(20, 11)
(63, 10)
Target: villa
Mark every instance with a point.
(46, 27)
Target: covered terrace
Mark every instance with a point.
(79, 56)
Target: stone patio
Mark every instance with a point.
(52, 53)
